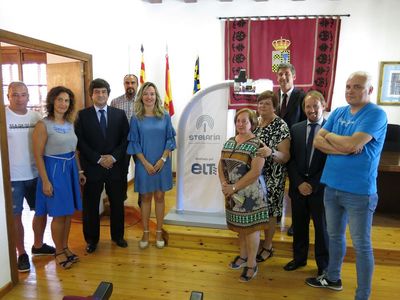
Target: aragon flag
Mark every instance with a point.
(142, 68)
(168, 105)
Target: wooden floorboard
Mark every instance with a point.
(196, 259)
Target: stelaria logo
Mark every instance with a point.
(203, 121)
(205, 124)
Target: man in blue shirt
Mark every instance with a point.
(353, 138)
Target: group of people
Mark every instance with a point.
(332, 167)
(53, 158)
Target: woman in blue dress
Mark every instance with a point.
(151, 140)
(58, 191)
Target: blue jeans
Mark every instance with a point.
(357, 210)
(23, 189)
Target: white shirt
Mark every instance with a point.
(98, 113)
(20, 149)
(288, 93)
(317, 128)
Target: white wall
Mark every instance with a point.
(112, 32)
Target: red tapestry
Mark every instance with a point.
(259, 46)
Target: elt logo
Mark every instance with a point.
(205, 169)
(203, 121)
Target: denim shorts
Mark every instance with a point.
(23, 189)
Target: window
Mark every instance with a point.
(28, 66)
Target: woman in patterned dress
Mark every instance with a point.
(245, 193)
(275, 135)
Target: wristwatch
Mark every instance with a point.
(163, 159)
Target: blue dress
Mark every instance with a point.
(62, 171)
(151, 136)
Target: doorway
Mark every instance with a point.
(68, 67)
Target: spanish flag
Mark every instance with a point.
(168, 105)
(196, 86)
(142, 68)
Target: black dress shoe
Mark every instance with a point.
(293, 265)
(90, 248)
(121, 243)
(290, 231)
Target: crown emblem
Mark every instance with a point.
(281, 44)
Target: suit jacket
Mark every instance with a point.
(297, 166)
(294, 111)
(92, 144)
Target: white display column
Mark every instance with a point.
(201, 134)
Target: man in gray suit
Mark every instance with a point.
(305, 169)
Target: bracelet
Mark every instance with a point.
(234, 188)
(81, 172)
(163, 159)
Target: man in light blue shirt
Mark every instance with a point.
(353, 138)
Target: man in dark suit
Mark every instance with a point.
(305, 169)
(290, 100)
(102, 133)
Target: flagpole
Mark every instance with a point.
(142, 67)
(129, 59)
(168, 104)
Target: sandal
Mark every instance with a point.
(235, 265)
(261, 258)
(244, 277)
(65, 264)
(71, 256)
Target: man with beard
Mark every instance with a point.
(305, 169)
(125, 102)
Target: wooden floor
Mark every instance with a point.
(196, 259)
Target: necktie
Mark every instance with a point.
(103, 123)
(283, 106)
(309, 144)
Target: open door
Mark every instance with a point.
(77, 64)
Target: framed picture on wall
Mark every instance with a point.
(389, 83)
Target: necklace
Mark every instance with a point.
(265, 122)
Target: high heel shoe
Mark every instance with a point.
(63, 261)
(160, 243)
(70, 255)
(269, 252)
(246, 278)
(144, 244)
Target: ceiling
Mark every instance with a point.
(194, 1)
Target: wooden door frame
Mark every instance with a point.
(28, 42)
